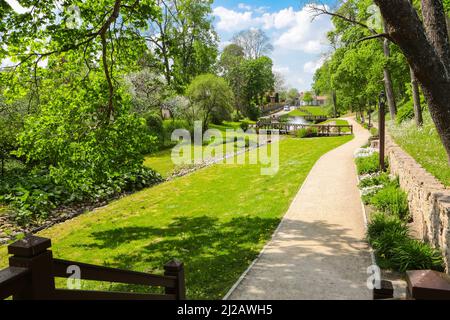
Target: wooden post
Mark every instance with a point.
(382, 129)
(386, 291)
(31, 253)
(176, 269)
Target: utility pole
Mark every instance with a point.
(382, 128)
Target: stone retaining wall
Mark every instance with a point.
(429, 200)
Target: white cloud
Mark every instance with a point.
(244, 6)
(312, 66)
(230, 20)
(297, 38)
(303, 33)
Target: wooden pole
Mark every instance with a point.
(382, 129)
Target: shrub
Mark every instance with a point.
(394, 248)
(405, 112)
(32, 197)
(307, 132)
(377, 179)
(367, 165)
(391, 200)
(156, 129)
(381, 223)
(244, 125)
(413, 254)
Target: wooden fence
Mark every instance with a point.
(32, 271)
(322, 130)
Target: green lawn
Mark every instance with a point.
(306, 111)
(339, 122)
(163, 164)
(423, 145)
(215, 220)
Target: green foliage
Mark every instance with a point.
(309, 132)
(308, 97)
(156, 129)
(381, 223)
(391, 200)
(244, 125)
(367, 165)
(376, 180)
(80, 147)
(424, 145)
(33, 196)
(211, 99)
(394, 248)
(253, 112)
(413, 254)
(405, 112)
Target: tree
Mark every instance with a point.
(184, 40)
(258, 80)
(357, 13)
(308, 98)
(149, 92)
(231, 57)
(210, 99)
(254, 42)
(292, 96)
(426, 46)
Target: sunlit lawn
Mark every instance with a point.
(216, 220)
(423, 145)
(338, 122)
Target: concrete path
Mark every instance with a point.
(318, 252)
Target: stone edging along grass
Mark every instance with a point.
(67, 213)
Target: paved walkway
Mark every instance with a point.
(319, 251)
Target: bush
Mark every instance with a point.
(377, 180)
(391, 200)
(253, 112)
(395, 250)
(244, 125)
(367, 165)
(380, 223)
(155, 128)
(34, 196)
(405, 112)
(307, 133)
(413, 254)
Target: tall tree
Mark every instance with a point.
(254, 42)
(426, 46)
(184, 40)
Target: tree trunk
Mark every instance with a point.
(388, 82)
(335, 104)
(416, 99)
(425, 53)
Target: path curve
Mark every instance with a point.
(318, 251)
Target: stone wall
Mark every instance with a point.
(429, 200)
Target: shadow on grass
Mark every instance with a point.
(214, 252)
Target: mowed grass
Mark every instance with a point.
(216, 220)
(424, 145)
(307, 111)
(338, 122)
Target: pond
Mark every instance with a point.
(297, 120)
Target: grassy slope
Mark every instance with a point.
(315, 111)
(216, 220)
(423, 145)
(339, 122)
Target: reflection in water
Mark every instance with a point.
(297, 120)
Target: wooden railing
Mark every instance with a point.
(322, 130)
(32, 272)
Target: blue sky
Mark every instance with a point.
(300, 44)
